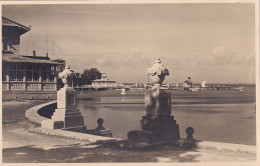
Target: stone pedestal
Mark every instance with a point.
(66, 116)
(100, 130)
(158, 125)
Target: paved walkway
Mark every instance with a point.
(21, 145)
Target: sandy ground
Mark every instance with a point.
(20, 146)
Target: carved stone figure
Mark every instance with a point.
(66, 76)
(158, 72)
(67, 116)
(158, 125)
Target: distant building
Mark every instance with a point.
(104, 82)
(187, 84)
(61, 66)
(22, 73)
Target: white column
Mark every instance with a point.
(24, 78)
(40, 77)
(8, 77)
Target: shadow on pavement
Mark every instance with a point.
(98, 152)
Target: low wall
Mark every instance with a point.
(34, 113)
(44, 111)
(47, 111)
(8, 95)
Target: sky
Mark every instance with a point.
(207, 42)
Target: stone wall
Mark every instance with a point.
(29, 96)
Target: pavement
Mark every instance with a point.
(25, 142)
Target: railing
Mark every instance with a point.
(33, 87)
(22, 86)
(17, 86)
(49, 87)
(5, 86)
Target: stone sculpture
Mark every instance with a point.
(66, 116)
(66, 76)
(158, 125)
(158, 72)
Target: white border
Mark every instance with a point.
(257, 70)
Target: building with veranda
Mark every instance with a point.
(23, 76)
(104, 82)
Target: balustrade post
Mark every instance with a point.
(8, 78)
(24, 78)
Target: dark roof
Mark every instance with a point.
(99, 80)
(8, 22)
(59, 60)
(38, 57)
(21, 59)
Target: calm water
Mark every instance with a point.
(229, 122)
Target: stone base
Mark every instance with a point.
(157, 102)
(51, 124)
(73, 121)
(66, 116)
(70, 118)
(155, 129)
(105, 132)
(62, 120)
(80, 129)
(159, 123)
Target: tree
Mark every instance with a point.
(88, 75)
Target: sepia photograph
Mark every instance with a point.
(121, 82)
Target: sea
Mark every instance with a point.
(216, 115)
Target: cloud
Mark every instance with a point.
(246, 60)
(223, 55)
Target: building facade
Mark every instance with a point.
(22, 73)
(104, 82)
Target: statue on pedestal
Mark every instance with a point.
(158, 73)
(66, 76)
(66, 116)
(158, 125)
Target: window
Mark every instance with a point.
(52, 77)
(32, 73)
(36, 67)
(3, 72)
(16, 76)
(4, 44)
(46, 68)
(52, 68)
(16, 72)
(28, 67)
(28, 76)
(12, 66)
(36, 76)
(19, 75)
(45, 77)
(20, 67)
(3, 75)
(12, 75)
(48, 76)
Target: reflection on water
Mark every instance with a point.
(232, 123)
(120, 114)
